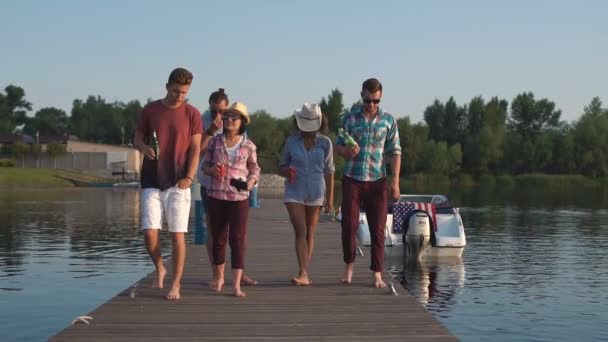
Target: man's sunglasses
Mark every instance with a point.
(368, 101)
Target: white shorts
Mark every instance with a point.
(173, 203)
(315, 203)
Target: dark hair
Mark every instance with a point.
(180, 76)
(372, 85)
(243, 127)
(218, 96)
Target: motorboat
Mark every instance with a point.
(428, 224)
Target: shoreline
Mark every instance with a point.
(273, 184)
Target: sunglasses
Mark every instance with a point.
(231, 117)
(368, 101)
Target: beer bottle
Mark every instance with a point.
(154, 145)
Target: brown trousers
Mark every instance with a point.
(371, 196)
(224, 216)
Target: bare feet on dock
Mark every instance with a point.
(159, 278)
(378, 282)
(217, 285)
(347, 277)
(302, 280)
(173, 294)
(246, 280)
(238, 293)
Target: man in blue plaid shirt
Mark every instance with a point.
(364, 180)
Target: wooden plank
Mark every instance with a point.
(274, 310)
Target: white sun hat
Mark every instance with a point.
(309, 117)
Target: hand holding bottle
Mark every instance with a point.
(351, 148)
(291, 174)
(151, 152)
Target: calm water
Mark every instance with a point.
(535, 268)
(62, 253)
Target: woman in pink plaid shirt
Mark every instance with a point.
(231, 161)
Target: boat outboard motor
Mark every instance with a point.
(417, 236)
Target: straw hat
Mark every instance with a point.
(309, 117)
(240, 109)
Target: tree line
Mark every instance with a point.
(495, 136)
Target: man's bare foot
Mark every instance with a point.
(159, 280)
(302, 280)
(219, 285)
(173, 294)
(246, 280)
(378, 282)
(212, 284)
(347, 277)
(238, 293)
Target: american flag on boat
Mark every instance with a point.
(403, 210)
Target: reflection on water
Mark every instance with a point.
(62, 253)
(434, 283)
(528, 273)
(535, 267)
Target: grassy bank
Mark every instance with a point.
(30, 178)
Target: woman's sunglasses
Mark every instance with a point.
(231, 117)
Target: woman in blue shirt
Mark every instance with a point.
(307, 163)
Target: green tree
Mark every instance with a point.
(18, 150)
(435, 158)
(97, 121)
(130, 115)
(530, 117)
(13, 108)
(454, 123)
(434, 116)
(264, 131)
(55, 150)
(594, 108)
(485, 135)
(414, 138)
(332, 108)
(47, 121)
(476, 115)
(591, 140)
(269, 134)
(356, 104)
(563, 150)
(455, 161)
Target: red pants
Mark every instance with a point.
(373, 198)
(223, 216)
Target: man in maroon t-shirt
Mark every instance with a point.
(166, 177)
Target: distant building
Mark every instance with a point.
(80, 154)
(117, 157)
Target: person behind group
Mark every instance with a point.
(307, 163)
(364, 177)
(231, 161)
(212, 126)
(166, 177)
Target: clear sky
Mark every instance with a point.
(276, 54)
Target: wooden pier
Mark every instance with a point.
(275, 309)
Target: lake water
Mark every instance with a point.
(535, 268)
